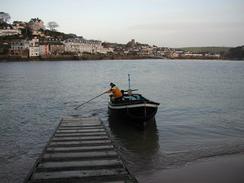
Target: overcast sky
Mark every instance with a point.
(172, 23)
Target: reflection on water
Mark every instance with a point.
(138, 146)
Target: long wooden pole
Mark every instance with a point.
(89, 100)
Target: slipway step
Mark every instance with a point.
(80, 130)
(80, 165)
(82, 175)
(79, 155)
(79, 134)
(80, 138)
(79, 143)
(80, 149)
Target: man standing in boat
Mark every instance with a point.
(117, 94)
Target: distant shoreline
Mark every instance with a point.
(97, 57)
(75, 58)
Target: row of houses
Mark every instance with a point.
(174, 54)
(133, 48)
(48, 47)
(80, 45)
(8, 31)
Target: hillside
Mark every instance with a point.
(236, 53)
(213, 50)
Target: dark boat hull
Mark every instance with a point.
(134, 109)
(139, 112)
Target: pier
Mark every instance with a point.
(80, 150)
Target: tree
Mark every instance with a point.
(236, 53)
(36, 24)
(4, 17)
(52, 25)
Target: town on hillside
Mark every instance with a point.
(33, 40)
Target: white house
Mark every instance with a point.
(34, 49)
(9, 32)
(80, 45)
(19, 47)
(19, 44)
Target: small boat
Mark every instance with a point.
(133, 107)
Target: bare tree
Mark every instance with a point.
(4, 17)
(52, 25)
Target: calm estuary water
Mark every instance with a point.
(201, 113)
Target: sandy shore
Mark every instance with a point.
(223, 169)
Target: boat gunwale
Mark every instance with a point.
(143, 101)
(135, 105)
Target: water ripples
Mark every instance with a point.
(201, 113)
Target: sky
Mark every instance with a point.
(170, 23)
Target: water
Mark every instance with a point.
(201, 112)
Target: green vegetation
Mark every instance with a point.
(4, 17)
(4, 24)
(8, 39)
(213, 50)
(59, 35)
(4, 48)
(236, 53)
